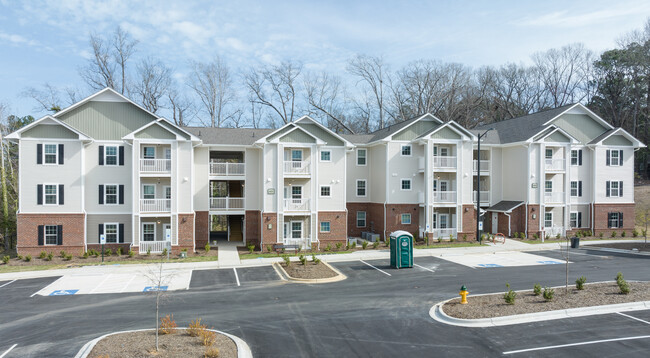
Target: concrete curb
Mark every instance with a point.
(439, 315)
(339, 277)
(243, 350)
(617, 251)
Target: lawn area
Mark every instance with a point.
(247, 256)
(448, 245)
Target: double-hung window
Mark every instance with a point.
(149, 152)
(324, 226)
(361, 187)
(51, 194)
(51, 153)
(361, 219)
(614, 158)
(614, 188)
(548, 219)
(406, 219)
(148, 191)
(111, 232)
(614, 220)
(110, 194)
(576, 188)
(548, 186)
(51, 234)
(576, 157)
(361, 156)
(549, 154)
(148, 232)
(110, 155)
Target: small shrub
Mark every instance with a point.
(42, 255)
(131, 253)
(580, 283)
(303, 260)
(68, 257)
(251, 248)
(439, 240)
(119, 251)
(287, 260)
(549, 293)
(328, 247)
(623, 286)
(547, 237)
(62, 253)
(589, 233)
(510, 295)
(148, 251)
(613, 234)
(167, 325)
(315, 259)
(207, 337)
(195, 328)
(164, 252)
(623, 233)
(207, 247)
(619, 277)
(535, 236)
(375, 244)
(28, 258)
(95, 253)
(635, 233)
(19, 257)
(108, 252)
(211, 352)
(5, 259)
(49, 257)
(269, 248)
(338, 246)
(558, 236)
(364, 245)
(353, 245)
(600, 235)
(85, 255)
(537, 289)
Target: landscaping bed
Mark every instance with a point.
(641, 246)
(310, 270)
(174, 345)
(597, 294)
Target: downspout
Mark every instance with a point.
(508, 215)
(387, 191)
(192, 186)
(527, 190)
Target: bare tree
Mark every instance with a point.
(99, 72)
(48, 98)
(213, 85)
(123, 49)
(182, 108)
(154, 81)
(324, 94)
(276, 88)
(373, 72)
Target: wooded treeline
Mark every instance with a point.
(370, 95)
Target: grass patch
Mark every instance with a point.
(288, 254)
(448, 245)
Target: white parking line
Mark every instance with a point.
(380, 270)
(236, 276)
(8, 350)
(638, 319)
(576, 344)
(127, 284)
(424, 268)
(100, 284)
(189, 280)
(7, 283)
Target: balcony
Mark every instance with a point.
(444, 196)
(297, 167)
(155, 165)
(444, 233)
(554, 197)
(485, 196)
(554, 164)
(227, 203)
(154, 247)
(485, 165)
(227, 169)
(442, 162)
(155, 205)
(296, 204)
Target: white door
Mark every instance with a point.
(443, 220)
(495, 223)
(167, 229)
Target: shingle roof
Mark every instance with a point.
(242, 136)
(380, 133)
(505, 206)
(358, 138)
(603, 136)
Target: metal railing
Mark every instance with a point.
(155, 247)
(485, 165)
(226, 169)
(227, 203)
(553, 231)
(155, 205)
(485, 196)
(304, 242)
(156, 165)
(554, 197)
(444, 162)
(554, 164)
(444, 196)
(297, 167)
(296, 204)
(444, 233)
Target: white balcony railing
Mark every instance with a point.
(297, 167)
(444, 233)
(296, 204)
(485, 196)
(444, 196)
(155, 205)
(553, 197)
(553, 231)
(554, 164)
(156, 165)
(227, 203)
(227, 169)
(485, 165)
(155, 247)
(444, 162)
(304, 242)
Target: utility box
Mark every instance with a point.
(401, 249)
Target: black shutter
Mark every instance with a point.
(41, 234)
(580, 188)
(607, 190)
(609, 219)
(579, 219)
(121, 233)
(60, 154)
(620, 220)
(121, 194)
(580, 157)
(620, 157)
(60, 194)
(39, 154)
(101, 155)
(59, 234)
(39, 194)
(620, 188)
(100, 232)
(101, 194)
(607, 155)
(121, 155)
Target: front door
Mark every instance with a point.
(495, 223)
(443, 221)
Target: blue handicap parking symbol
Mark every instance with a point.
(549, 262)
(63, 292)
(154, 288)
(489, 265)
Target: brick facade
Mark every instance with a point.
(73, 233)
(112, 247)
(201, 229)
(468, 223)
(338, 232)
(394, 217)
(269, 235)
(252, 220)
(533, 223)
(600, 218)
(353, 208)
(185, 233)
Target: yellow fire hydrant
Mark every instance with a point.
(463, 295)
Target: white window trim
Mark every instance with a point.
(616, 221)
(401, 219)
(143, 151)
(302, 156)
(302, 231)
(56, 203)
(410, 184)
(117, 233)
(329, 224)
(356, 188)
(618, 189)
(320, 191)
(401, 151)
(571, 189)
(142, 194)
(168, 150)
(291, 193)
(611, 158)
(571, 213)
(545, 153)
(142, 230)
(366, 157)
(577, 164)
(56, 235)
(165, 192)
(365, 219)
(56, 154)
(117, 194)
(545, 188)
(321, 156)
(117, 155)
(551, 213)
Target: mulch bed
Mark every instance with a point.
(641, 246)
(597, 294)
(79, 260)
(308, 271)
(175, 345)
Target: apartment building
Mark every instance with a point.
(106, 166)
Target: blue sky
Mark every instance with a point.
(47, 40)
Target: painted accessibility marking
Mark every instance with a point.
(155, 288)
(63, 292)
(549, 262)
(489, 265)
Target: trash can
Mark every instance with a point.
(401, 249)
(575, 242)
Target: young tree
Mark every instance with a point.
(159, 279)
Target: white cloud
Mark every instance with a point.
(566, 18)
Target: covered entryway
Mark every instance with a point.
(507, 217)
(226, 228)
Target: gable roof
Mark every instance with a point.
(617, 131)
(505, 206)
(228, 136)
(453, 126)
(44, 120)
(166, 125)
(106, 92)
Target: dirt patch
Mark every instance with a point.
(641, 246)
(176, 345)
(597, 294)
(309, 271)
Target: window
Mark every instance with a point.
(573, 219)
(406, 184)
(406, 150)
(406, 219)
(361, 219)
(51, 194)
(51, 235)
(614, 188)
(614, 220)
(549, 153)
(361, 187)
(110, 194)
(51, 153)
(296, 155)
(111, 233)
(576, 188)
(148, 232)
(149, 152)
(361, 156)
(168, 192)
(110, 153)
(324, 226)
(576, 157)
(548, 219)
(296, 192)
(614, 158)
(325, 191)
(325, 156)
(148, 191)
(444, 152)
(548, 186)
(296, 229)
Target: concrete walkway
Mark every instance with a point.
(228, 255)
